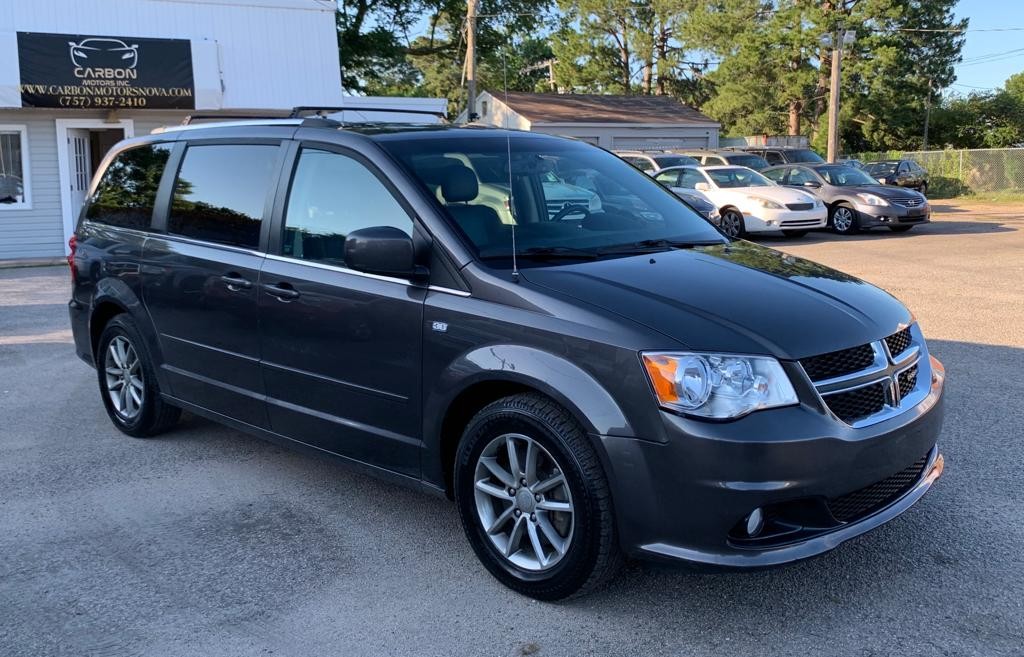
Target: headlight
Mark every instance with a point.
(720, 386)
(871, 199)
(766, 203)
(595, 204)
(817, 202)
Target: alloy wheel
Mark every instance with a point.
(124, 378)
(523, 502)
(842, 219)
(730, 222)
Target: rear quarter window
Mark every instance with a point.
(127, 189)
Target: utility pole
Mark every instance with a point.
(471, 61)
(841, 38)
(927, 114)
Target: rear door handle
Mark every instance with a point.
(282, 291)
(235, 282)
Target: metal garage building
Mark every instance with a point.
(612, 122)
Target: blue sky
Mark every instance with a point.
(988, 14)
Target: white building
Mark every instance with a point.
(612, 122)
(78, 75)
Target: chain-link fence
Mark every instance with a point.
(960, 172)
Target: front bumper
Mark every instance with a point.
(683, 499)
(892, 215)
(760, 220)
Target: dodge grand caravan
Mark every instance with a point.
(586, 385)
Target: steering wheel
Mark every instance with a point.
(569, 210)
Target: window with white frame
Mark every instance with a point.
(14, 183)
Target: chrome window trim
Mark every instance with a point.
(363, 274)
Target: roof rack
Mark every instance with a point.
(297, 112)
(193, 118)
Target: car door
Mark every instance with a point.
(201, 274)
(341, 348)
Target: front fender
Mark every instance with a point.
(572, 387)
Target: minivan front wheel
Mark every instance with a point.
(534, 500)
(128, 383)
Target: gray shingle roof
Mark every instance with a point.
(594, 108)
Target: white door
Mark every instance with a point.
(79, 166)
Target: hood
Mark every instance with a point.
(885, 191)
(737, 297)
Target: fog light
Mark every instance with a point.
(771, 222)
(755, 522)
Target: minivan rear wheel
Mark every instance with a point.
(534, 500)
(128, 382)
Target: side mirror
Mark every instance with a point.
(702, 187)
(812, 183)
(383, 250)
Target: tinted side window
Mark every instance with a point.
(221, 191)
(641, 163)
(127, 190)
(774, 157)
(331, 196)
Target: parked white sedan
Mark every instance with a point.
(747, 201)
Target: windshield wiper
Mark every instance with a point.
(546, 253)
(649, 246)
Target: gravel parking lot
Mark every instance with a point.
(208, 542)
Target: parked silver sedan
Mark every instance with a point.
(855, 200)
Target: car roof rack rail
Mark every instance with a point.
(321, 111)
(193, 118)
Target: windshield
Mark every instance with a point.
(737, 177)
(752, 161)
(566, 199)
(803, 155)
(665, 161)
(845, 176)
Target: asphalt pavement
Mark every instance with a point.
(209, 542)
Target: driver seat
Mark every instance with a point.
(459, 186)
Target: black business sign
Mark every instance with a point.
(81, 71)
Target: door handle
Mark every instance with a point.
(235, 282)
(282, 291)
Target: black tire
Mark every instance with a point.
(731, 223)
(900, 229)
(794, 233)
(154, 415)
(849, 223)
(593, 555)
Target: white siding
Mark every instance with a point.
(35, 233)
(273, 54)
(39, 232)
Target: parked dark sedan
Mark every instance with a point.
(900, 173)
(856, 201)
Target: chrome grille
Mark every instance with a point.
(838, 363)
(898, 342)
(869, 383)
(554, 207)
(855, 404)
(906, 380)
(908, 202)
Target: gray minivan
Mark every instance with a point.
(586, 384)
